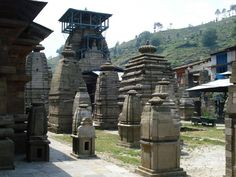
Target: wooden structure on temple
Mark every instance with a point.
(85, 36)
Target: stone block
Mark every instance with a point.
(6, 132)
(37, 150)
(7, 154)
(228, 122)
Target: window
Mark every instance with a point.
(86, 146)
(221, 63)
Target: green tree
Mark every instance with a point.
(155, 40)
(224, 12)
(209, 38)
(234, 30)
(116, 49)
(233, 8)
(217, 13)
(144, 37)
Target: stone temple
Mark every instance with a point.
(106, 109)
(37, 90)
(66, 82)
(85, 37)
(143, 72)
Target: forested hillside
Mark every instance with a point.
(181, 46)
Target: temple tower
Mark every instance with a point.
(143, 72)
(85, 36)
(106, 109)
(37, 90)
(65, 84)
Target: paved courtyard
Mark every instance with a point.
(62, 164)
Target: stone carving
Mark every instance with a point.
(143, 72)
(7, 146)
(66, 82)
(84, 144)
(230, 127)
(106, 110)
(37, 90)
(37, 142)
(129, 120)
(160, 133)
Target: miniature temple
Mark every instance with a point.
(66, 81)
(129, 121)
(37, 90)
(84, 144)
(85, 36)
(106, 109)
(19, 35)
(160, 137)
(143, 72)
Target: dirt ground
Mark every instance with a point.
(208, 161)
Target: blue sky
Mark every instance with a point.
(130, 17)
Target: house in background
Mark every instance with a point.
(221, 62)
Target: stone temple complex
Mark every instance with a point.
(85, 93)
(37, 90)
(143, 72)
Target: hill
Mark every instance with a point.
(181, 46)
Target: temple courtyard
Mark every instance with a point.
(199, 160)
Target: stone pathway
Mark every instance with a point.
(62, 164)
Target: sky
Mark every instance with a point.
(129, 17)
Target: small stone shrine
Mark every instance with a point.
(83, 110)
(66, 81)
(7, 146)
(143, 72)
(84, 145)
(186, 107)
(129, 121)
(37, 142)
(37, 90)
(106, 109)
(230, 127)
(160, 141)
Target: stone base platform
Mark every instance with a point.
(151, 173)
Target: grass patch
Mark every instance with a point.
(203, 136)
(106, 143)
